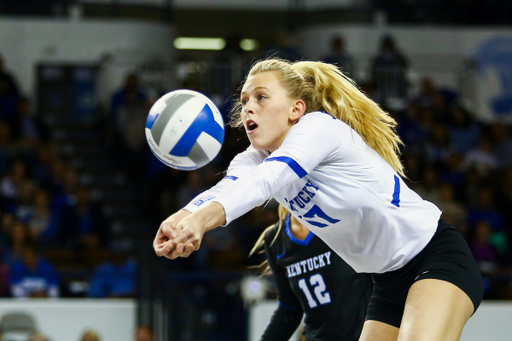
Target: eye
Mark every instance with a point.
(260, 97)
(243, 101)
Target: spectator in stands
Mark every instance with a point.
(82, 224)
(143, 333)
(22, 206)
(133, 146)
(485, 210)
(32, 128)
(453, 211)
(6, 75)
(464, 132)
(130, 93)
(5, 148)
(283, 47)
(428, 188)
(485, 253)
(481, 158)
(11, 183)
(42, 169)
(339, 56)
(389, 70)
(115, 278)
(504, 201)
(64, 185)
(440, 99)
(9, 98)
(90, 335)
(414, 167)
(18, 238)
(451, 170)
(33, 276)
(4, 266)
(6, 224)
(193, 186)
(502, 145)
(438, 147)
(43, 224)
(411, 129)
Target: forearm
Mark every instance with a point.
(282, 325)
(210, 216)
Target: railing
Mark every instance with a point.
(221, 80)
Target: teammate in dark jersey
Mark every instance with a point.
(312, 279)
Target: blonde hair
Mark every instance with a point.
(323, 87)
(259, 245)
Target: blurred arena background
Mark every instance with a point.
(81, 196)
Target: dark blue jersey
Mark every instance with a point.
(312, 279)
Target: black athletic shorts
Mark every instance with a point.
(446, 257)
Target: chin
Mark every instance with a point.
(258, 146)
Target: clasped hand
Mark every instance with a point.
(178, 236)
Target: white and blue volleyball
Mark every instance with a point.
(185, 129)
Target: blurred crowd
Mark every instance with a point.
(48, 217)
(47, 214)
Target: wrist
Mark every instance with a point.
(211, 216)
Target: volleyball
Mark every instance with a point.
(185, 129)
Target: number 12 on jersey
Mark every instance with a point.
(317, 282)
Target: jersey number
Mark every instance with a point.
(316, 212)
(317, 282)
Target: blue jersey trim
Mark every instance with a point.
(291, 163)
(231, 177)
(396, 192)
(294, 239)
(281, 255)
(289, 307)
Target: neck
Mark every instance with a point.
(298, 230)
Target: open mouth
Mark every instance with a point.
(250, 126)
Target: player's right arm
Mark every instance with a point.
(242, 164)
(287, 316)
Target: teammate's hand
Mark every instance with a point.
(162, 244)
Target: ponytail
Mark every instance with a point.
(323, 87)
(338, 95)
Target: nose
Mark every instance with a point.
(248, 107)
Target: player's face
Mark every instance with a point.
(267, 111)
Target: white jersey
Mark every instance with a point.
(337, 186)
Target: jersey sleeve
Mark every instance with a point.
(242, 164)
(286, 318)
(313, 139)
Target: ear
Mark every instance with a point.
(297, 110)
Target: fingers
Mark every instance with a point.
(182, 245)
(164, 248)
(182, 250)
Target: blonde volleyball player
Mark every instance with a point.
(313, 281)
(329, 154)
